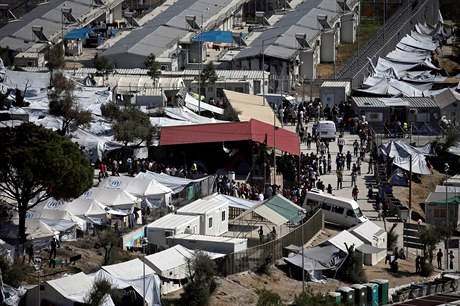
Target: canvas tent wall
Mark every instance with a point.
(371, 234)
(133, 272)
(170, 225)
(7, 250)
(50, 216)
(213, 215)
(36, 231)
(152, 193)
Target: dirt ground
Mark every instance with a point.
(420, 191)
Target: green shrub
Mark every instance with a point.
(427, 269)
(265, 261)
(13, 273)
(268, 298)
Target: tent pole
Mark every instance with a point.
(410, 198)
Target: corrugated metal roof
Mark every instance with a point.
(201, 206)
(335, 84)
(445, 98)
(285, 208)
(377, 102)
(172, 221)
(282, 27)
(162, 32)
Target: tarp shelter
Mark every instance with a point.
(7, 250)
(399, 178)
(217, 37)
(400, 152)
(193, 104)
(253, 130)
(80, 33)
(36, 231)
(67, 290)
(316, 260)
(136, 272)
(175, 183)
(171, 265)
(251, 106)
(152, 193)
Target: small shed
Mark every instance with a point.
(170, 225)
(436, 207)
(334, 92)
(213, 215)
(374, 235)
(218, 244)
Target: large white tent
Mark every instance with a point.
(150, 191)
(116, 199)
(136, 273)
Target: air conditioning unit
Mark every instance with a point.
(164, 67)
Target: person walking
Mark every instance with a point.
(340, 143)
(439, 258)
(353, 178)
(355, 193)
(339, 179)
(355, 148)
(348, 160)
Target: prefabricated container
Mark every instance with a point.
(170, 225)
(217, 244)
(213, 215)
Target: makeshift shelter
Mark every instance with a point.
(373, 235)
(345, 237)
(213, 215)
(400, 153)
(315, 261)
(436, 205)
(7, 250)
(152, 193)
(67, 290)
(136, 273)
(171, 266)
(193, 103)
(399, 178)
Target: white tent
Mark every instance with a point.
(133, 272)
(116, 199)
(171, 265)
(67, 290)
(153, 193)
(44, 213)
(7, 250)
(90, 209)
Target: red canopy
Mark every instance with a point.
(254, 130)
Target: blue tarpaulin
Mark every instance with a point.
(81, 33)
(217, 37)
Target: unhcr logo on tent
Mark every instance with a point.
(115, 184)
(29, 215)
(86, 194)
(54, 204)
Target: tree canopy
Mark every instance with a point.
(130, 125)
(36, 164)
(153, 67)
(63, 103)
(208, 75)
(103, 66)
(54, 57)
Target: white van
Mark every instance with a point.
(338, 210)
(277, 99)
(326, 130)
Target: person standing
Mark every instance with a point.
(31, 253)
(348, 160)
(339, 179)
(353, 179)
(439, 258)
(371, 161)
(261, 233)
(340, 143)
(418, 264)
(355, 148)
(53, 246)
(451, 260)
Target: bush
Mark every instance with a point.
(265, 261)
(268, 298)
(427, 269)
(13, 273)
(351, 269)
(309, 298)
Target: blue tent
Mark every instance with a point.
(217, 37)
(80, 33)
(399, 178)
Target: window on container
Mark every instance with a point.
(223, 215)
(210, 222)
